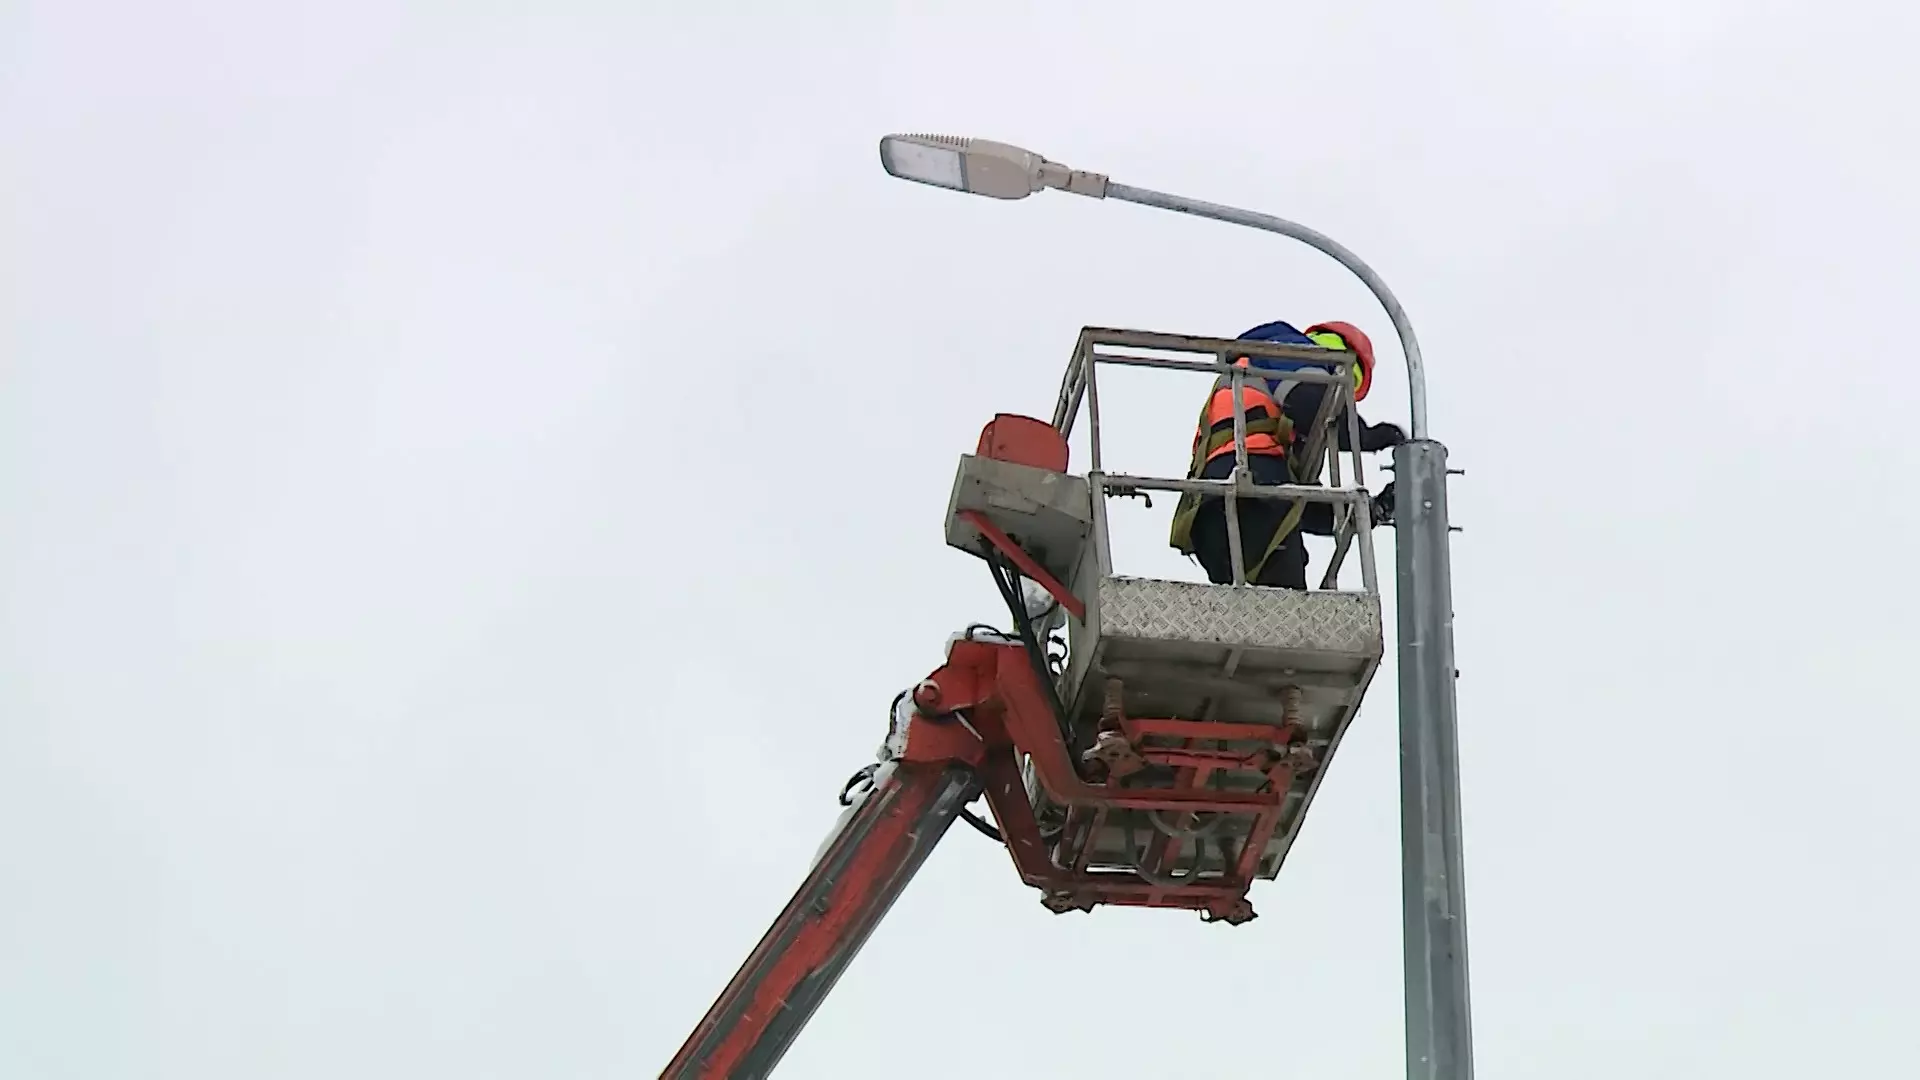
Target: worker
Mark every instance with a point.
(1302, 406)
(1278, 411)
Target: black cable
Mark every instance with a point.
(1037, 658)
(985, 827)
(846, 793)
(867, 772)
(1008, 582)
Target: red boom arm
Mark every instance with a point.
(972, 721)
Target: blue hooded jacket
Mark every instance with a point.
(1303, 404)
(1279, 333)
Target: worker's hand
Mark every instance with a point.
(1381, 437)
(1383, 506)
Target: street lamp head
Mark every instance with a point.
(980, 167)
(995, 170)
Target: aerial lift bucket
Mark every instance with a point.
(1165, 757)
(1174, 685)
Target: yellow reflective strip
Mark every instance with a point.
(1331, 340)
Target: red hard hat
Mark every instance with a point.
(1359, 344)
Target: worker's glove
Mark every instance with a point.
(1383, 506)
(1381, 437)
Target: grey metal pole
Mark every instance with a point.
(1432, 882)
(1433, 889)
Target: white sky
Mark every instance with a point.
(473, 480)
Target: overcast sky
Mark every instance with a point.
(472, 481)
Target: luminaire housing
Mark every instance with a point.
(981, 167)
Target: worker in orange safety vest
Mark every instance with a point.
(1278, 411)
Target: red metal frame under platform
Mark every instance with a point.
(993, 687)
(974, 724)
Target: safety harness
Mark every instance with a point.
(1212, 434)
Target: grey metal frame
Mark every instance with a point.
(1355, 520)
(1241, 633)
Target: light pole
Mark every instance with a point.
(1433, 893)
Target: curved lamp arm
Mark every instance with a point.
(1000, 171)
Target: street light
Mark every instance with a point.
(1433, 893)
(979, 167)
